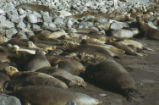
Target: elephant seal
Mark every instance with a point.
(72, 66)
(22, 79)
(113, 75)
(70, 79)
(44, 95)
(38, 61)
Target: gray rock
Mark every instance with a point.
(9, 100)
(71, 21)
(10, 32)
(52, 26)
(13, 16)
(36, 27)
(21, 11)
(102, 20)
(46, 17)
(2, 18)
(6, 23)
(37, 14)
(118, 25)
(125, 33)
(59, 22)
(21, 25)
(32, 18)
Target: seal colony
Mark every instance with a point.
(41, 70)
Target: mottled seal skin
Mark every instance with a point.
(22, 79)
(4, 78)
(72, 66)
(43, 95)
(113, 75)
(38, 61)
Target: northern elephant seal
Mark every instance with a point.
(43, 95)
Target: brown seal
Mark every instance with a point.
(43, 95)
(112, 75)
(70, 79)
(72, 66)
(38, 61)
(22, 79)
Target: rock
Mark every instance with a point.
(59, 22)
(71, 21)
(32, 18)
(5, 23)
(13, 16)
(64, 13)
(36, 27)
(9, 100)
(52, 26)
(46, 17)
(118, 25)
(21, 25)
(10, 32)
(125, 33)
(21, 11)
(2, 12)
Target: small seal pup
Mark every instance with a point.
(114, 75)
(38, 61)
(44, 95)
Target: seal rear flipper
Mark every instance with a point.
(134, 95)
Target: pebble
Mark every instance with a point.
(9, 100)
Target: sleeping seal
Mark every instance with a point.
(115, 76)
(43, 95)
(22, 79)
(38, 61)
